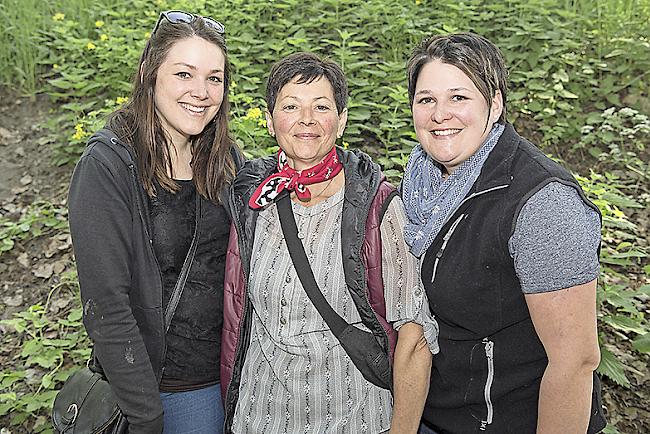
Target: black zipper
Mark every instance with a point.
(455, 224)
(136, 188)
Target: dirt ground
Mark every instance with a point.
(31, 269)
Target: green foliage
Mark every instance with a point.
(51, 347)
(40, 218)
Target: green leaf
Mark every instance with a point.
(625, 323)
(642, 343)
(611, 367)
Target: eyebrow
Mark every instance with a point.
(453, 89)
(315, 99)
(193, 68)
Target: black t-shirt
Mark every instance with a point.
(194, 337)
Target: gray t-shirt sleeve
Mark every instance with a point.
(555, 241)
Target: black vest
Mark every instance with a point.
(487, 375)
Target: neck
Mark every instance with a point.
(181, 158)
(322, 191)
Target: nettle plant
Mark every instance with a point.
(39, 219)
(51, 347)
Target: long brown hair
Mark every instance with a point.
(138, 124)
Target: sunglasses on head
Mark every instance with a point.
(177, 17)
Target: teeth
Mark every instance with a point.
(193, 108)
(445, 132)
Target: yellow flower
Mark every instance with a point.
(233, 85)
(58, 16)
(122, 99)
(99, 24)
(418, 2)
(346, 145)
(254, 113)
(79, 132)
(91, 46)
(262, 123)
(55, 66)
(147, 35)
(103, 37)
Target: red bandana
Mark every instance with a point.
(294, 180)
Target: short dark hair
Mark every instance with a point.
(473, 54)
(307, 67)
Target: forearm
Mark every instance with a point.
(565, 400)
(411, 370)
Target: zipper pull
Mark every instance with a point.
(445, 240)
(489, 348)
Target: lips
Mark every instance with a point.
(445, 132)
(193, 108)
(307, 136)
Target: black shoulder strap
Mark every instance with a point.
(303, 269)
(182, 277)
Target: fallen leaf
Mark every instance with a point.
(5, 133)
(14, 301)
(59, 303)
(23, 259)
(44, 271)
(59, 266)
(18, 190)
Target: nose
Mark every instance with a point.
(306, 116)
(440, 112)
(199, 89)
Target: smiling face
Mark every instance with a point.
(450, 114)
(305, 121)
(189, 88)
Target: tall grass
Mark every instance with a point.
(22, 21)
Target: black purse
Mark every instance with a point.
(86, 403)
(362, 347)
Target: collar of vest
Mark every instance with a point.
(497, 169)
(362, 176)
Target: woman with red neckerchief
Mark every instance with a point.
(283, 368)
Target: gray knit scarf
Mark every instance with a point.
(430, 200)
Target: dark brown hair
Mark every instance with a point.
(307, 67)
(475, 55)
(138, 124)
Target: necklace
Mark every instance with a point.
(320, 193)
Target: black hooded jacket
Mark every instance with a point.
(121, 284)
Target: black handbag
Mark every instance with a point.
(362, 347)
(86, 403)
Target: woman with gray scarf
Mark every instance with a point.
(508, 246)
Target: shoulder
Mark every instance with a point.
(357, 163)
(530, 157)
(257, 167)
(105, 147)
(555, 240)
(557, 201)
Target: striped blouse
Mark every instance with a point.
(296, 377)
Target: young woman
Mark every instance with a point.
(143, 189)
(509, 252)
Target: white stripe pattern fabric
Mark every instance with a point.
(296, 377)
